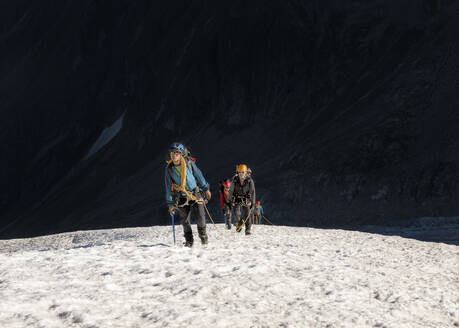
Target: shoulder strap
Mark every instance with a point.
(169, 167)
(190, 166)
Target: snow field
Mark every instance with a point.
(277, 277)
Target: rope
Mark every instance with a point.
(216, 228)
(182, 187)
(264, 217)
(239, 227)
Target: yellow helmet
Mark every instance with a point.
(241, 168)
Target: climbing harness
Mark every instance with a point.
(243, 200)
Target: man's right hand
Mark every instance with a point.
(172, 210)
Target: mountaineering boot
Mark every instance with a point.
(188, 239)
(203, 235)
(228, 225)
(239, 226)
(204, 240)
(247, 232)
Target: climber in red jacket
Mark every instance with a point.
(225, 202)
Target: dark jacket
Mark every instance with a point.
(243, 191)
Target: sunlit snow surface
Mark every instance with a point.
(277, 277)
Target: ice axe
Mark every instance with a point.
(173, 225)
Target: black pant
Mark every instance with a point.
(228, 214)
(240, 214)
(200, 216)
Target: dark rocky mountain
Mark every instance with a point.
(347, 112)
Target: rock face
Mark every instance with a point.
(347, 113)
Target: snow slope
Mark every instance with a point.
(277, 277)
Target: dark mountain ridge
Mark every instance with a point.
(346, 112)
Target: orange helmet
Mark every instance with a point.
(241, 168)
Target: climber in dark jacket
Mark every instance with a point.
(242, 196)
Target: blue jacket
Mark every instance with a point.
(194, 178)
(261, 210)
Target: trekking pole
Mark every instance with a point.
(173, 225)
